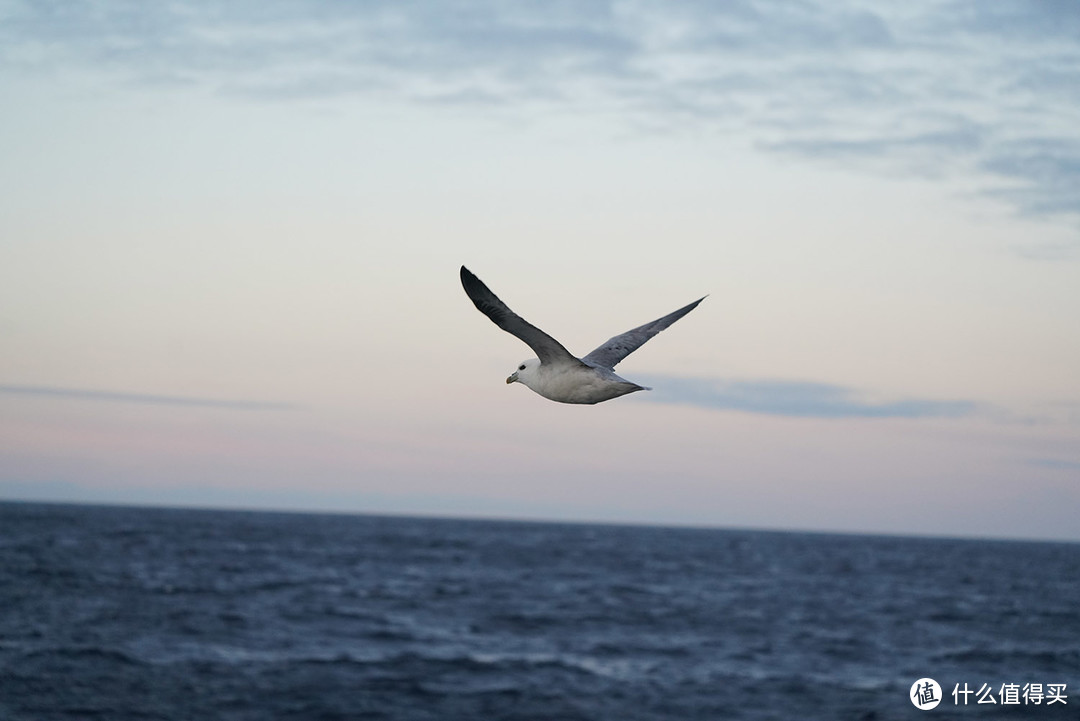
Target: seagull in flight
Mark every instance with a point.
(555, 373)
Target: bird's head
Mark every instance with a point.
(526, 372)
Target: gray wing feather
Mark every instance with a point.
(547, 349)
(617, 348)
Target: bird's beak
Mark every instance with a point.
(512, 378)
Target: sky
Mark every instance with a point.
(230, 237)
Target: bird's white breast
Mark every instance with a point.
(580, 384)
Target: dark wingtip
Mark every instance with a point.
(469, 278)
(696, 303)
(478, 293)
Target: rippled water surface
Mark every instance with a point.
(135, 613)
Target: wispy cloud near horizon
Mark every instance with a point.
(795, 399)
(82, 394)
(1055, 464)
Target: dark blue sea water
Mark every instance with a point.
(140, 613)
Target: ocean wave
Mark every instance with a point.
(78, 655)
(1064, 660)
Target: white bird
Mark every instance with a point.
(555, 373)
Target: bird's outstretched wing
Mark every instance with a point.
(547, 349)
(617, 348)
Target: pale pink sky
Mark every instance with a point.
(229, 247)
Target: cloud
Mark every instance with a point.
(919, 153)
(1046, 20)
(954, 88)
(1046, 172)
(1055, 464)
(797, 399)
(143, 398)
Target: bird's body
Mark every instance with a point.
(570, 383)
(555, 373)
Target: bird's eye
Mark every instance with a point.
(521, 367)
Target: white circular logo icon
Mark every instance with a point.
(925, 693)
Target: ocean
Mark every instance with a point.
(124, 613)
